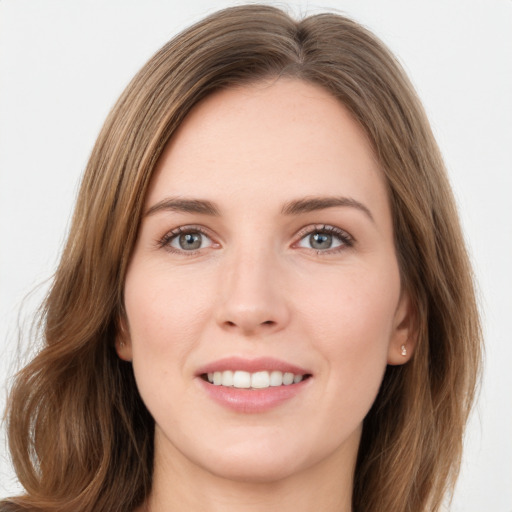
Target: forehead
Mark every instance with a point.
(285, 136)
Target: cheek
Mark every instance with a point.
(162, 328)
(163, 311)
(356, 304)
(164, 321)
(351, 316)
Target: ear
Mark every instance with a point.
(123, 342)
(404, 336)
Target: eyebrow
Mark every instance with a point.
(311, 204)
(295, 207)
(176, 204)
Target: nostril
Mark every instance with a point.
(266, 322)
(250, 323)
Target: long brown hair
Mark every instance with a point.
(80, 437)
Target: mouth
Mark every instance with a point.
(241, 379)
(249, 386)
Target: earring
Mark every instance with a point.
(404, 350)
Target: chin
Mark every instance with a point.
(254, 469)
(266, 461)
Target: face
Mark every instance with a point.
(263, 298)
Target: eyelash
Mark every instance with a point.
(346, 239)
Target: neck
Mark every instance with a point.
(179, 484)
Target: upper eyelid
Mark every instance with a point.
(312, 228)
(189, 228)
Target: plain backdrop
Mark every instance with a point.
(63, 63)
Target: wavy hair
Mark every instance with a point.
(80, 436)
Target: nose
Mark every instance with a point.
(252, 297)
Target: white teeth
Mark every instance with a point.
(241, 379)
(288, 378)
(227, 378)
(276, 378)
(260, 380)
(257, 380)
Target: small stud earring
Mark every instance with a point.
(404, 350)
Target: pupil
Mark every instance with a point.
(321, 241)
(190, 241)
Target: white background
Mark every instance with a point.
(64, 62)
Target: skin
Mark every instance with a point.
(257, 288)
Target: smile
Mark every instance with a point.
(258, 380)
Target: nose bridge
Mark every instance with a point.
(251, 298)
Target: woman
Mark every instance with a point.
(265, 300)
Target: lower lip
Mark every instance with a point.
(253, 400)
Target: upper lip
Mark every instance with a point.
(251, 365)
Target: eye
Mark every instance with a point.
(189, 241)
(324, 238)
(186, 239)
